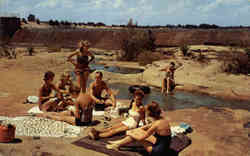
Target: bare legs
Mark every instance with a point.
(128, 139)
(82, 79)
(108, 132)
(166, 85)
(66, 116)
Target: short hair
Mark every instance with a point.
(48, 75)
(99, 72)
(139, 92)
(172, 63)
(153, 109)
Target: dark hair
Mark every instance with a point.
(172, 63)
(99, 72)
(48, 75)
(139, 92)
(154, 110)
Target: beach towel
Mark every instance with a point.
(32, 99)
(35, 110)
(178, 143)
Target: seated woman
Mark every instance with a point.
(155, 137)
(46, 101)
(81, 115)
(136, 114)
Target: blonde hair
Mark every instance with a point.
(84, 43)
(64, 75)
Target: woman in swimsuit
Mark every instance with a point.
(82, 69)
(46, 101)
(155, 137)
(136, 114)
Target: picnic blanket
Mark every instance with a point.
(35, 126)
(178, 143)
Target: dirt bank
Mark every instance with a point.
(107, 38)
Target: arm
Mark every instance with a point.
(70, 58)
(92, 57)
(77, 112)
(139, 136)
(112, 96)
(59, 93)
(142, 115)
(41, 98)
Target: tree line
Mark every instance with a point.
(32, 18)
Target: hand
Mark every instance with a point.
(99, 101)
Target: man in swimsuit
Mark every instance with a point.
(168, 83)
(96, 89)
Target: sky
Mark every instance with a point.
(145, 12)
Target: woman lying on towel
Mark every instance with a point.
(136, 114)
(80, 116)
(155, 137)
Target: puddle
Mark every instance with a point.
(182, 100)
(116, 69)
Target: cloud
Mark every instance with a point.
(48, 4)
(118, 3)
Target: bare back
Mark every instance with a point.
(85, 101)
(163, 127)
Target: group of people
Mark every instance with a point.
(75, 103)
(72, 102)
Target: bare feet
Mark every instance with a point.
(112, 147)
(93, 134)
(114, 142)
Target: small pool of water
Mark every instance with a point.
(181, 100)
(116, 69)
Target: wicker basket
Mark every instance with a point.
(7, 133)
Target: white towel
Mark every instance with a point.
(35, 110)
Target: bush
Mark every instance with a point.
(134, 42)
(236, 63)
(184, 49)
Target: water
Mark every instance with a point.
(181, 100)
(116, 69)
